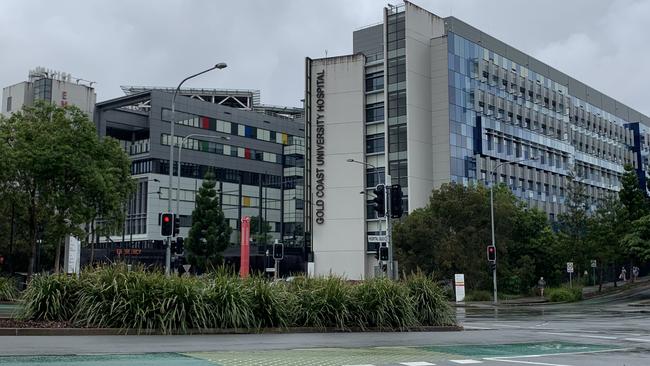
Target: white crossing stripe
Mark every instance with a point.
(525, 362)
(417, 363)
(466, 362)
(637, 339)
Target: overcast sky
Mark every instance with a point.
(605, 44)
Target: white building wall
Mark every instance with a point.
(20, 94)
(421, 26)
(66, 93)
(339, 240)
(440, 112)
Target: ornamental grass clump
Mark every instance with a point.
(385, 304)
(8, 290)
(272, 305)
(114, 297)
(228, 303)
(326, 302)
(431, 305)
(51, 298)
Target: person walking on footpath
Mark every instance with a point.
(623, 275)
(635, 273)
(540, 285)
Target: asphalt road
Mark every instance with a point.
(605, 331)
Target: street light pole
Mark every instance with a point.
(168, 251)
(494, 244)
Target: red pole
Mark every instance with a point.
(244, 262)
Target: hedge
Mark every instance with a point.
(114, 297)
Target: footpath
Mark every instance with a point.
(588, 292)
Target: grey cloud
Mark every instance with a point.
(151, 42)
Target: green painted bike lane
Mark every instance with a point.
(377, 356)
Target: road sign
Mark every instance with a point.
(186, 267)
(593, 263)
(569, 267)
(376, 238)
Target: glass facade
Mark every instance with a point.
(503, 111)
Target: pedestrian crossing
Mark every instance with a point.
(425, 363)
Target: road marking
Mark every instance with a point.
(637, 339)
(465, 362)
(417, 363)
(580, 335)
(526, 362)
(470, 327)
(367, 364)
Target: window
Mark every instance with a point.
(374, 143)
(396, 70)
(375, 112)
(375, 81)
(397, 138)
(9, 104)
(375, 176)
(397, 103)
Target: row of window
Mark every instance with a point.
(213, 124)
(222, 149)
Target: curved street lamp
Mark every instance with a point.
(220, 65)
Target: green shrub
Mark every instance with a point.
(563, 294)
(272, 305)
(229, 303)
(479, 295)
(8, 289)
(431, 304)
(51, 298)
(325, 302)
(385, 304)
(114, 297)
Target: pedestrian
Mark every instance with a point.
(540, 285)
(635, 273)
(623, 275)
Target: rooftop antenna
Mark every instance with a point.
(325, 53)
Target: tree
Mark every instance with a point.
(573, 225)
(606, 227)
(56, 165)
(637, 241)
(210, 233)
(260, 233)
(451, 233)
(632, 195)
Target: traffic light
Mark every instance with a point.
(167, 224)
(177, 246)
(379, 201)
(383, 253)
(492, 253)
(278, 251)
(177, 224)
(396, 208)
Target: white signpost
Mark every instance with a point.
(459, 283)
(72, 255)
(569, 269)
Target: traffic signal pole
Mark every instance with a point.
(389, 235)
